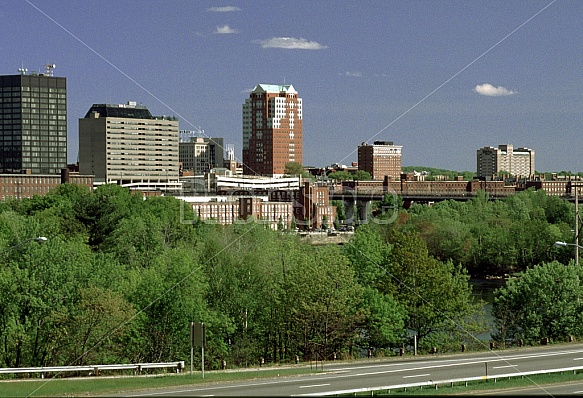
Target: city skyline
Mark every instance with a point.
(440, 79)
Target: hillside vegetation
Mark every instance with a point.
(120, 278)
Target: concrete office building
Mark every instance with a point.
(381, 159)
(272, 130)
(200, 154)
(33, 123)
(518, 162)
(124, 144)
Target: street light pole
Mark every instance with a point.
(577, 246)
(576, 225)
(39, 239)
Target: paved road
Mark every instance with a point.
(340, 377)
(554, 390)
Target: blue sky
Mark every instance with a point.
(440, 78)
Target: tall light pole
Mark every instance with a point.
(39, 239)
(576, 224)
(563, 244)
(576, 188)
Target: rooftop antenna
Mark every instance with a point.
(49, 69)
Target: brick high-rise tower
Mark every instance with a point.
(272, 130)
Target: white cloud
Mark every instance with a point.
(352, 74)
(225, 29)
(223, 9)
(291, 43)
(491, 91)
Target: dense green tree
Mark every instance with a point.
(387, 208)
(169, 294)
(293, 168)
(39, 281)
(93, 330)
(344, 175)
(243, 266)
(341, 175)
(321, 290)
(369, 256)
(436, 295)
(121, 278)
(340, 211)
(494, 237)
(384, 324)
(542, 302)
(136, 240)
(107, 206)
(361, 175)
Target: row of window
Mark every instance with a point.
(29, 180)
(26, 136)
(133, 161)
(173, 125)
(26, 97)
(151, 168)
(25, 90)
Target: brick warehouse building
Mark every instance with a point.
(307, 206)
(20, 186)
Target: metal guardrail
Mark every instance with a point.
(436, 383)
(94, 369)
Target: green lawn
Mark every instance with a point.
(81, 387)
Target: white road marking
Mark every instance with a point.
(426, 374)
(501, 367)
(315, 385)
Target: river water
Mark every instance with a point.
(484, 289)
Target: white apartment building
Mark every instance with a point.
(517, 162)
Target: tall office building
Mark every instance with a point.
(380, 159)
(272, 130)
(124, 144)
(200, 154)
(517, 162)
(33, 123)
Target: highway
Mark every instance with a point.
(338, 377)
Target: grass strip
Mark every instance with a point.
(107, 385)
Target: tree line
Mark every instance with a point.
(121, 277)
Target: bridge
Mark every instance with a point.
(360, 199)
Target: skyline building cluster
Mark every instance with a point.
(125, 144)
